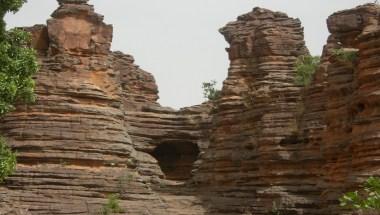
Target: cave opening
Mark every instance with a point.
(176, 159)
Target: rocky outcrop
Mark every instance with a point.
(279, 147)
(73, 145)
(151, 126)
(266, 145)
(97, 129)
(349, 143)
(257, 155)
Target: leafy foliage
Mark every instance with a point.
(7, 160)
(365, 200)
(306, 66)
(112, 205)
(209, 91)
(8, 6)
(11, 5)
(345, 55)
(18, 63)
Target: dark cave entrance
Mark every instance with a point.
(176, 159)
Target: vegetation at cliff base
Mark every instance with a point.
(112, 205)
(7, 160)
(209, 91)
(365, 200)
(306, 65)
(18, 64)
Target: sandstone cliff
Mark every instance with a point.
(257, 155)
(97, 128)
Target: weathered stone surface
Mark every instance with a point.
(300, 154)
(349, 144)
(256, 149)
(77, 29)
(167, 142)
(73, 146)
(7, 210)
(97, 128)
(40, 37)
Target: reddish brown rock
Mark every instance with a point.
(97, 128)
(256, 150)
(349, 143)
(40, 37)
(76, 28)
(73, 145)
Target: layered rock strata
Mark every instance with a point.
(151, 125)
(73, 145)
(302, 160)
(266, 145)
(350, 146)
(257, 155)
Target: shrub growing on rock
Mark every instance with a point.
(346, 55)
(209, 91)
(306, 66)
(365, 200)
(112, 205)
(7, 160)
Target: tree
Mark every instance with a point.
(18, 64)
(365, 200)
(306, 66)
(209, 91)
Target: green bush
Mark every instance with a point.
(209, 91)
(365, 200)
(306, 66)
(7, 160)
(112, 205)
(18, 63)
(345, 55)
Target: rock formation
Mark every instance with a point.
(350, 148)
(73, 145)
(257, 155)
(97, 128)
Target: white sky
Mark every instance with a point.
(178, 40)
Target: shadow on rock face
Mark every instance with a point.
(176, 159)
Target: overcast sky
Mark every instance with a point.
(178, 40)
